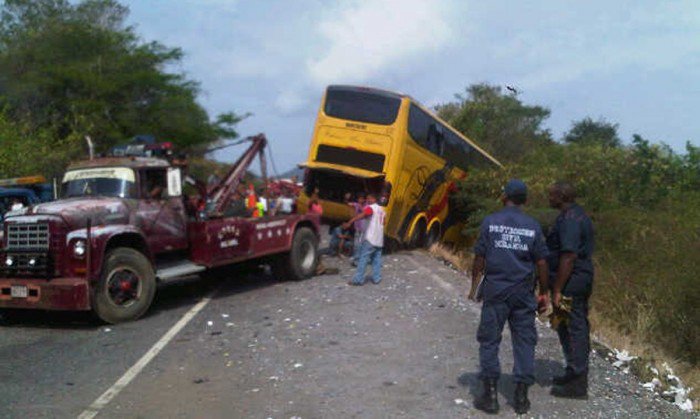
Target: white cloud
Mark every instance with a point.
(601, 42)
(291, 101)
(364, 37)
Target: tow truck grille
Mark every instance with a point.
(28, 236)
(34, 265)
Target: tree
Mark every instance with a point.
(499, 122)
(76, 69)
(590, 132)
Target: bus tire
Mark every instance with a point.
(302, 259)
(126, 287)
(433, 235)
(418, 235)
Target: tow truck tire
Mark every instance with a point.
(126, 287)
(302, 259)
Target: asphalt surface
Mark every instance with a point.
(264, 348)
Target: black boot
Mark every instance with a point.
(488, 401)
(576, 388)
(521, 403)
(563, 379)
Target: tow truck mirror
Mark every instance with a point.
(174, 182)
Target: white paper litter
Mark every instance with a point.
(622, 357)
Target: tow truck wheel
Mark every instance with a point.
(126, 288)
(302, 259)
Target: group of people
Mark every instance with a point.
(252, 203)
(510, 252)
(510, 246)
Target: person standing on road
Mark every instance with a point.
(571, 244)
(359, 226)
(372, 242)
(509, 246)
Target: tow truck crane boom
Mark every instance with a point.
(220, 195)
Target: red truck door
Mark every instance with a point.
(161, 217)
(221, 241)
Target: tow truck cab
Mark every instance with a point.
(122, 224)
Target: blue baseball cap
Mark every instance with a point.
(515, 187)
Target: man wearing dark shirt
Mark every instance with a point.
(571, 244)
(510, 244)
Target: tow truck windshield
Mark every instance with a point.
(109, 181)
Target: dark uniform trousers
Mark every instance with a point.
(519, 310)
(575, 336)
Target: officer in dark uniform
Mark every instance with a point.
(571, 244)
(510, 244)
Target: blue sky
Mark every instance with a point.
(634, 63)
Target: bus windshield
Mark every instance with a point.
(114, 181)
(362, 106)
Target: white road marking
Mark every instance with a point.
(128, 376)
(441, 282)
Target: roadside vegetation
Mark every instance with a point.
(74, 69)
(643, 197)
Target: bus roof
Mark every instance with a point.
(396, 95)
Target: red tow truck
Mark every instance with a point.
(123, 225)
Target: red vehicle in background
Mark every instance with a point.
(123, 224)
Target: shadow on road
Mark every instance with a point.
(169, 297)
(544, 370)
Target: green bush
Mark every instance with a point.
(645, 205)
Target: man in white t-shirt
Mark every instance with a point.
(285, 205)
(372, 243)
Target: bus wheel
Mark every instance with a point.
(433, 235)
(301, 261)
(126, 288)
(418, 235)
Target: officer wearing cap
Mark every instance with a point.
(509, 246)
(571, 244)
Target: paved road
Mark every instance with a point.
(313, 349)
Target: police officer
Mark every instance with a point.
(570, 244)
(510, 244)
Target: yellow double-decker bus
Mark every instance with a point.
(375, 141)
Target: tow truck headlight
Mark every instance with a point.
(79, 249)
(9, 261)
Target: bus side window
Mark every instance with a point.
(436, 139)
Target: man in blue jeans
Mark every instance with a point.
(372, 242)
